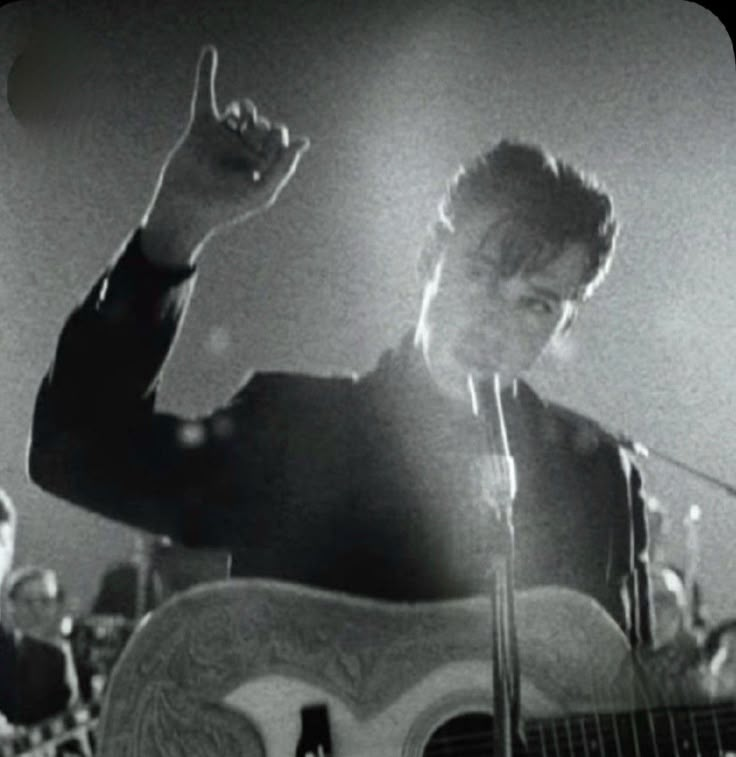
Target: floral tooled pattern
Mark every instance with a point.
(209, 653)
(170, 722)
(207, 643)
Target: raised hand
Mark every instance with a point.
(225, 167)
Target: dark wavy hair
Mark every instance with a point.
(555, 203)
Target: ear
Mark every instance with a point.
(569, 319)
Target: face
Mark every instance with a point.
(37, 608)
(477, 321)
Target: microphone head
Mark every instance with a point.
(485, 394)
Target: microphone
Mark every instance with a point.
(498, 471)
(498, 482)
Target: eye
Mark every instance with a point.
(480, 267)
(537, 305)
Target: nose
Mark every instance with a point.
(509, 288)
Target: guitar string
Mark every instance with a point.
(568, 730)
(671, 723)
(695, 734)
(723, 710)
(584, 739)
(484, 747)
(635, 732)
(597, 722)
(536, 747)
(617, 741)
(717, 733)
(543, 740)
(727, 727)
(652, 729)
(554, 739)
(486, 737)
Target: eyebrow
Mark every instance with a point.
(544, 292)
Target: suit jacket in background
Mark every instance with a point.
(34, 682)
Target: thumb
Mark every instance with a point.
(284, 168)
(204, 98)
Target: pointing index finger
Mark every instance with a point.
(204, 99)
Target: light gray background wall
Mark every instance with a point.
(393, 96)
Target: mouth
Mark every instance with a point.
(476, 356)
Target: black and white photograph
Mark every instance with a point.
(368, 379)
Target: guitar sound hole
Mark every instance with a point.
(468, 735)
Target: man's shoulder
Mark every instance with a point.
(34, 654)
(36, 648)
(284, 388)
(580, 432)
(286, 381)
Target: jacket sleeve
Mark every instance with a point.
(96, 439)
(63, 688)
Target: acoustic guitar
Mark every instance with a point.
(252, 668)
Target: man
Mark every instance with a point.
(37, 610)
(366, 486)
(676, 662)
(36, 603)
(36, 681)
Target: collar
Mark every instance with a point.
(403, 386)
(405, 364)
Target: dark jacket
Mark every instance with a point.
(362, 485)
(34, 682)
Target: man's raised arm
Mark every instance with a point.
(96, 438)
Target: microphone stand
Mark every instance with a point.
(644, 450)
(499, 489)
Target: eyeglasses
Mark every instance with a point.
(38, 600)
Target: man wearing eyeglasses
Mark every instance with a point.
(36, 680)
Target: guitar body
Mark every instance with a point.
(226, 669)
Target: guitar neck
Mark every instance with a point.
(707, 729)
(29, 740)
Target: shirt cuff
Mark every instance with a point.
(162, 275)
(134, 287)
